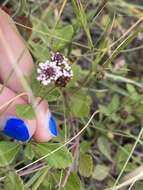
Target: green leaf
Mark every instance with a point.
(40, 51)
(25, 111)
(122, 154)
(28, 152)
(73, 183)
(58, 38)
(100, 172)
(8, 151)
(121, 157)
(85, 165)
(40, 179)
(77, 72)
(13, 182)
(104, 147)
(65, 35)
(85, 146)
(59, 159)
(114, 104)
(132, 91)
(32, 180)
(80, 104)
(81, 16)
(104, 109)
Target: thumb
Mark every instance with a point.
(46, 127)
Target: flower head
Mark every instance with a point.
(48, 72)
(57, 57)
(56, 70)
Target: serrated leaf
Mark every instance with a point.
(13, 182)
(40, 51)
(60, 159)
(65, 35)
(8, 151)
(73, 183)
(28, 152)
(104, 147)
(100, 172)
(25, 111)
(85, 165)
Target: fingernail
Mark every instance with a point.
(52, 126)
(16, 128)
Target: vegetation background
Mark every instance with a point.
(99, 113)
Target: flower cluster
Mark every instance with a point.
(55, 70)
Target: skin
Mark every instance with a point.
(14, 56)
(5, 97)
(13, 51)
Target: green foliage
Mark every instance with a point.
(39, 52)
(103, 42)
(81, 16)
(85, 165)
(28, 152)
(61, 158)
(100, 172)
(8, 152)
(104, 147)
(73, 183)
(77, 72)
(63, 37)
(58, 38)
(13, 182)
(85, 146)
(40, 179)
(111, 109)
(25, 111)
(80, 104)
(121, 157)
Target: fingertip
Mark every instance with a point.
(41, 104)
(52, 126)
(17, 129)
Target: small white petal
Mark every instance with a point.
(39, 78)
(45, 82)
(41, 65)
(39, 70)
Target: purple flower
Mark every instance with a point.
(57, 70)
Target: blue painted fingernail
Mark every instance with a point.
(16, 128)
(52, 126)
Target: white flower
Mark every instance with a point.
(57, 70)
(48, 72)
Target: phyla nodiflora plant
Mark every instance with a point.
(57, 70)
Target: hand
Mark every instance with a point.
(16, 64)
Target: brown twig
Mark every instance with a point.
(75, 156)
